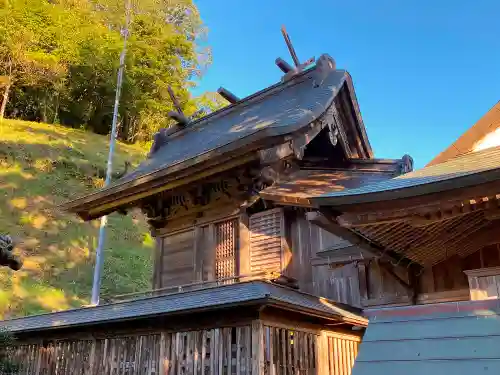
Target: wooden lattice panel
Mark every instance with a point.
(288, 351)
(266, 234)
(217, 351)
(226, 244)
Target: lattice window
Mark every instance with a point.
(226, 245)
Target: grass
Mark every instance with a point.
(42, 166)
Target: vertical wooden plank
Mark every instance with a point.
(283, 340)
(244, 245)
(336, 356)
(343, 355)
(38, 361)
(173, 353)
(214, 334)
(179, 346)
(363, 285)
(197, 255)
(162, 357)
(220, 349)
(125, 360)
(138, 354)
(296, 352)
(238, 350)
(188, 363)
(286, 253)
(257, 347)
(248, 350)
(196, 352)
(157, 269)
(289, 358)
(271, 349)
(312, 350)
(210, 252)
(229, 350)
(203, 351)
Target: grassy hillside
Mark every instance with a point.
(42, 166)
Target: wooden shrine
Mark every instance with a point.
(235, 289)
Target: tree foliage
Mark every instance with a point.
(59, 58)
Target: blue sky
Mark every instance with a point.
(424, 71)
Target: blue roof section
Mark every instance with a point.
(191, 301)
(467, 170)
(463, 339)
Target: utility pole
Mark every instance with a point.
(99, 258)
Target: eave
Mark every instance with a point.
(231, 155)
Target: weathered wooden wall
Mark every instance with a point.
(444, 282)
(191, 250)
(258, 348)
(306, 240)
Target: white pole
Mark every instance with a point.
(99, 258)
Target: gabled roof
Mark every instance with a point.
(467, 141)
(464, 171)
(259, 121)
(215, 298)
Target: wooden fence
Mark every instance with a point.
(244, 350)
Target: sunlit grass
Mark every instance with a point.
(42, 166)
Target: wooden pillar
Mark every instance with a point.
(244, 246)
(156, 282)
(257, 348)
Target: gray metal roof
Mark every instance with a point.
(447, 338)
(466, 170)
(191, 301)
(279, 110)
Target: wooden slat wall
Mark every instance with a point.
(341, 285)
(219, 351)
(177, 265)
(341, 352)
(266, 240)
(290, 352)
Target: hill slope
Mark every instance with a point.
(42, 166)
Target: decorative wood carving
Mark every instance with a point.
(238, 187)
(328, 120)
(406, 164)
(199, 197)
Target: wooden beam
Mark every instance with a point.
(290, 46)
(421, 216)
(167, 185)
(330, 225)
(228, 95)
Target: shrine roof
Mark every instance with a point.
(261, 120)
(201, 300)
(468, 170)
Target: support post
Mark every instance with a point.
(257, 348)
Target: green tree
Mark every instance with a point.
(59, 60)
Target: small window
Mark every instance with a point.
(226, 235)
